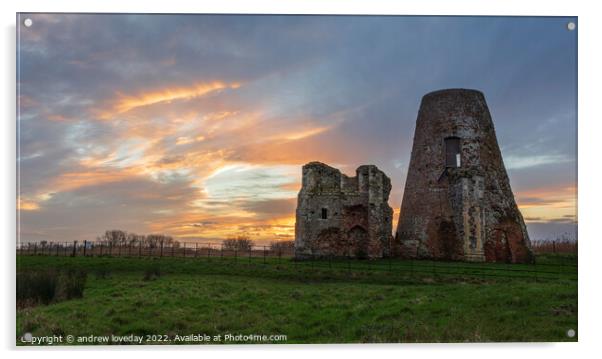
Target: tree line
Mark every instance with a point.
(117, 237)
(244, 243)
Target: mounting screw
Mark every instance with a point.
(28, 22)
(571, 26)
(570, 333)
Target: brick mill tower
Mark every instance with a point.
(457, 202)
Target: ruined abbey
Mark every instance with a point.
(341, 216)
(457, 203)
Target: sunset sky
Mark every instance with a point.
(197, 125)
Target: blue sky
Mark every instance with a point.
(197, 125)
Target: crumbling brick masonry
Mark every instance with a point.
(341, 216)
(457, 202)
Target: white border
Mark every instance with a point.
(589, 166)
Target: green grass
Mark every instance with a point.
(312, 302)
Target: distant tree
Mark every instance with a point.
(114, 237)
(135, 239)
(282, 245)
(118, 237)
(158, 240)
(240, 243)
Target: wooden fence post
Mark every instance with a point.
(74, 247)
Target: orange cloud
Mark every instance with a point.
(126, 103)
(73, 180)
(27, 205)
(189, 226)
(548, 204)
(304, 133)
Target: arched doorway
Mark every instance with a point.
(497, 249)
(358, 239)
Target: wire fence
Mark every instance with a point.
(175, 249)
(548, 267)
(555, 246)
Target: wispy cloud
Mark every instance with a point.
(520, 162)
(127, 103)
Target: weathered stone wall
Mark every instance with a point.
(358, 219)
(464, 212)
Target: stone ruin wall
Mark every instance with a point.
(358, 219)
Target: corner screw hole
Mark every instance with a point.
(571, 26)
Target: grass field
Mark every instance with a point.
(310, 302)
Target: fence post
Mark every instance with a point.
(140, 249)
(184, 250)
(173, 250)
(35, 248)
(222, 252)
(209, 250)
(85, 245)
(264, 254)
(161, 254)
(561, 267)
(348, 261)
(57, 249)
(236, 255)
(74, 247)
(249, 252)
(554, 246)
(110, 249)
